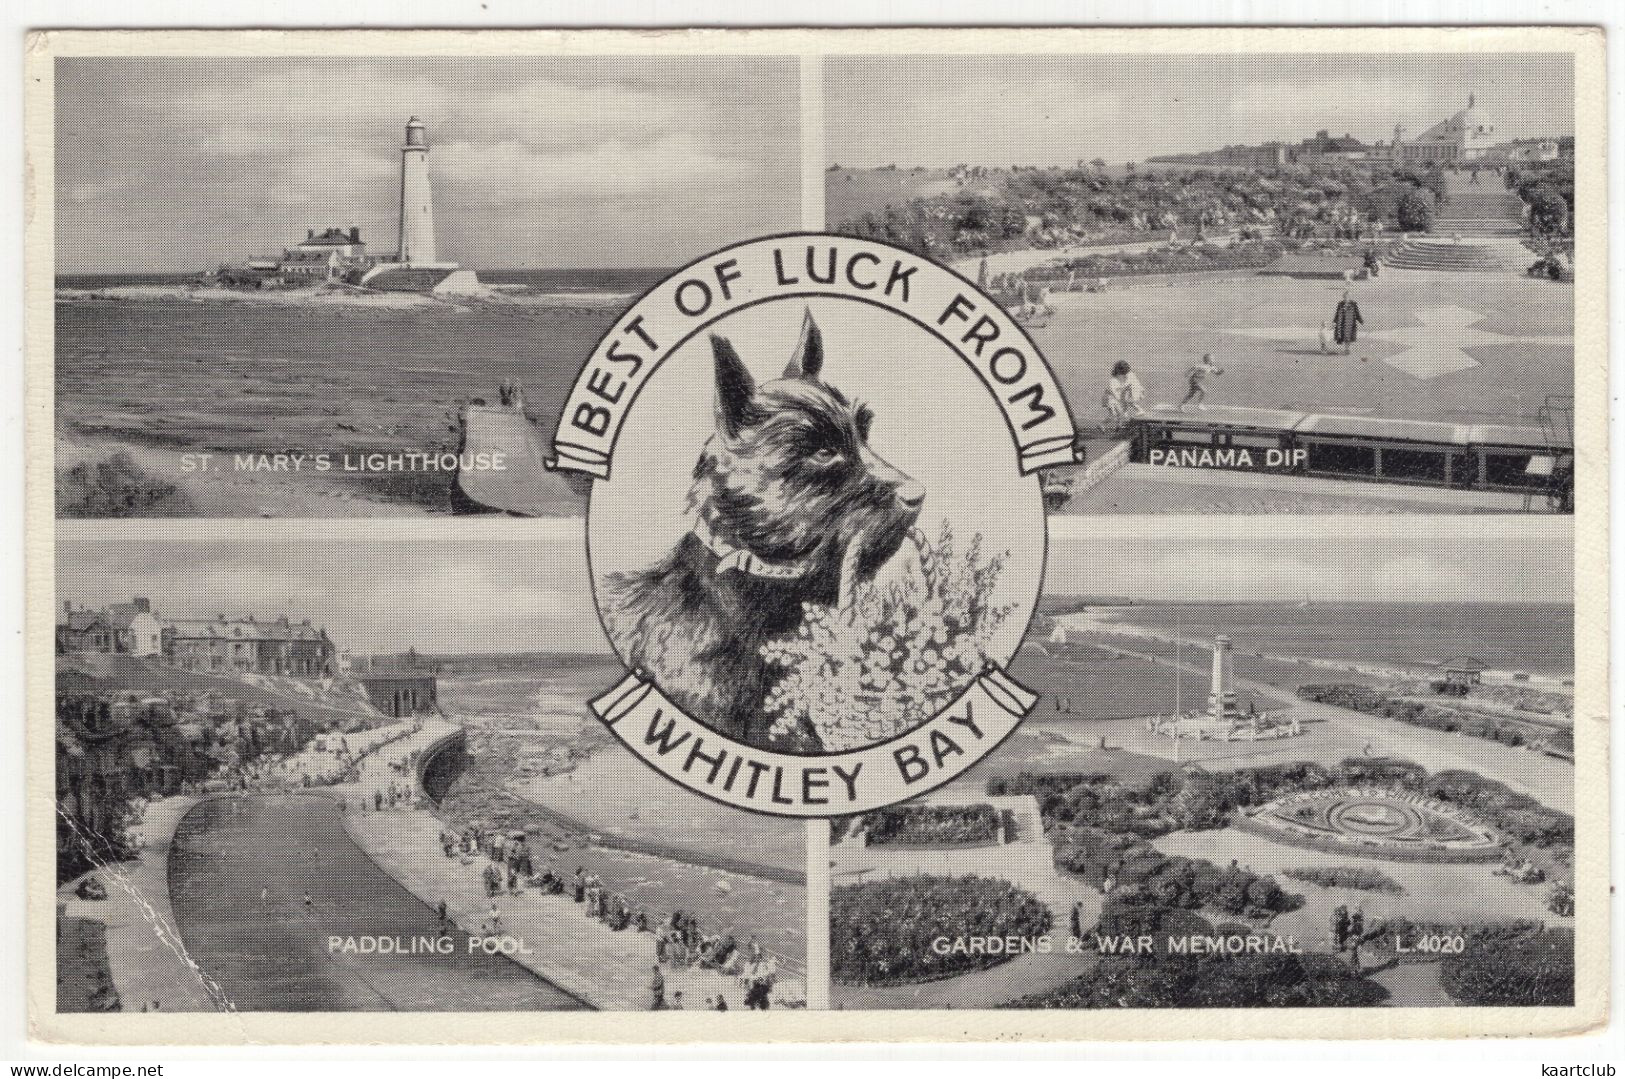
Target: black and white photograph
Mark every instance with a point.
(1269, 284)
(322, 771)
(345, 287)
(1266, 772)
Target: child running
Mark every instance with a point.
(1196, 377)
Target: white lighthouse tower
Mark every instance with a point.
(417, 204)
(416, 266)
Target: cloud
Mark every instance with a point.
(511, 172)
(223, 156)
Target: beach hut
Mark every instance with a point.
(1463, 672)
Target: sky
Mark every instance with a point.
(182, 164)
(1405, 559)
(520, 586)
(944, 110)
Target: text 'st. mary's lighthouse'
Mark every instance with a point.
(417, 206)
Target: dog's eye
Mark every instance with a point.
(824, 456)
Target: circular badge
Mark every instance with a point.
(816, 528)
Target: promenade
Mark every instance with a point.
(604, 968)
(145, 955)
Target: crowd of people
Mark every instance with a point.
(325, 760)
(680, 943)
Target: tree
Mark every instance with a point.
(1548, 212)
(1415, 212)
(1099, 163)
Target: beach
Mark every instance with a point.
(537, 754)
(1529, 644)
(165, 372)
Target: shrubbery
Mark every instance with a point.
(1356, 877)
(1378, 702)
(1547, 188)
(1415, 212)
(1163, 980)
(1141, 875)
(1533, 970)
(881, 931)
(1062, 207)
(116, 487)
(933, 825)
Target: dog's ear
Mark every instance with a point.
(735, 387)
(808, 359)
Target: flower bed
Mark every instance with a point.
(1356, 877)
(1198, 259)
(883, 932)
(933, 826)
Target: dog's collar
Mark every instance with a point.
(737, 558)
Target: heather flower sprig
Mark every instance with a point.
(894, 655)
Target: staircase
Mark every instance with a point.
(1482, 209)
(1436, 254)
(1485, 217)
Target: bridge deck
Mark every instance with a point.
(1372, 428)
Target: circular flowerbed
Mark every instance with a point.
(915, 929)
(1376, 821)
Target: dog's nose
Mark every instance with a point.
(911, 495)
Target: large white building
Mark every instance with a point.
(1466, 137)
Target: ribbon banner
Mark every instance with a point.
(792, 785)
(975, 326)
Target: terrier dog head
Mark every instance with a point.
(789, 475)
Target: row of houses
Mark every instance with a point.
(220, 644)
(1465, 138)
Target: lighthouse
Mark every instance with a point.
(417, 204)
(416, 266)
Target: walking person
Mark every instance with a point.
(657, 990)
(1196, 380)
(1346, 322)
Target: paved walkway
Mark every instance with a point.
(1548, 780)
(608, 969)
(145, 955)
